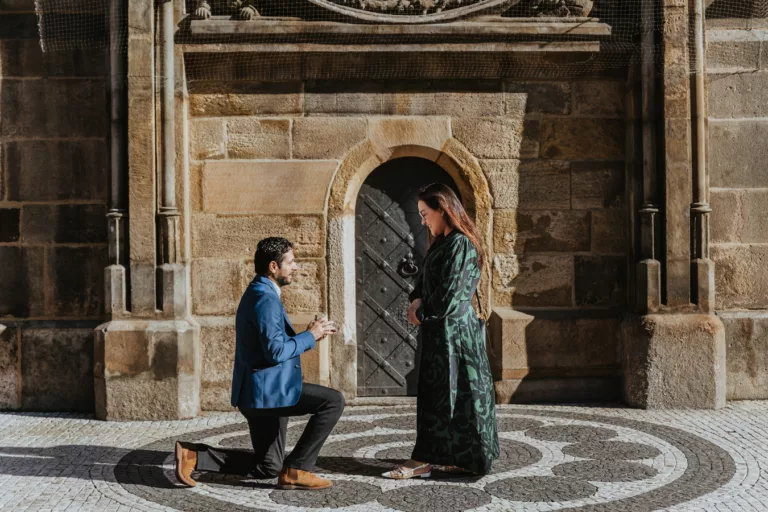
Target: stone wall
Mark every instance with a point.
(53, 187)
(552, 152)
(738, 124)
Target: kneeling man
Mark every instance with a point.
(267, 385)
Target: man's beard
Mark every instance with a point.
(283, 280)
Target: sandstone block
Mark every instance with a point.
(244, 98)
(582, 138)
(388, 132)
(545, 185)
(65, 224)
(10, 378)
(207, 139)
(295, 187)
(601, 280)
(17, 5)
(451, 98)
(217, 342)
(503, 181)
(560, 341)
(75, 281)
(674, 361)
(57, 369)
(732, 51)
(738, 95)
(550, 389)
(504, 231)
(737, 153)
(740, 216)
(218, 285)
(609, 232)
(737, 282)
(80, 170)
(127, 355)
(746, 337)
(216, 236)
(597, 184)
(10, 224)
(600, 98)
(326, 137)
(508, 348)
(529, 148)
(23, 272)
(544, 281)
(25, 58)
(490, 137)
(259, 138)
(339, 98)
(553, 231)
(307, 292)
(538, 97)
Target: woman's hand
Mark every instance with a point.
(415, 305)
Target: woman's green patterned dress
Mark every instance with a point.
(456, 415)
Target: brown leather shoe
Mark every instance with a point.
(291, 478)
(186, 459)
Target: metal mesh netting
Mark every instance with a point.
(379, 39)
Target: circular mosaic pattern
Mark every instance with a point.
(571, 433)
(605, 471)
(434, 498)
(506, 424)
(612, 450)
(342, 494)
(243, 441)
(541, 489)
(355, 463)
(407, 422)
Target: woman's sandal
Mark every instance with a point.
(404, 473)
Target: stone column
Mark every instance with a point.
(674, 355)
(147, 357)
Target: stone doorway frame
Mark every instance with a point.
(456, 160)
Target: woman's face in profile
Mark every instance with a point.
(433, 219)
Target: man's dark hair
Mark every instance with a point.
(270, 249)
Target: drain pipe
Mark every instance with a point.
(702, 265)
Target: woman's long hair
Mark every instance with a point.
(439, 196)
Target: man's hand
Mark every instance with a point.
(415, 305)
(322, 328)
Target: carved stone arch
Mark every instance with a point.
(456, 160)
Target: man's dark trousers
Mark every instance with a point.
(268, 427)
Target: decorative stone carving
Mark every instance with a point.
(562, 8)
(203, 10)
(405, 7)
(240, 9)
(245, 9)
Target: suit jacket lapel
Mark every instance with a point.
(264, 281)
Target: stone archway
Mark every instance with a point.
(362, 160)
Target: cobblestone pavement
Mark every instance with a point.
(552, 458)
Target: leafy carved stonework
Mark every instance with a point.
(240, 9)
(561, 8)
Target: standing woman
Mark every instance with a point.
(455, 411)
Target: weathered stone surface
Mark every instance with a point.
(746, 335)
(258, 138)
(294, 187)
(582, 138)
(76, 281)
(597, 184)
(207, 139)
(598, 98)
(737, 281)
(80, 170)
(244, 98)
(529, 148)
(65, 224)
(10, 224)
(674, 361)
(508, 347)
(23, 272)
(609, 232)
(25, 58)
(61, 108)
(563, 341)
(544, 281)
(456, 99)
(218, 285)
(216, 236)
(17, 5)
(503, 181)
(217, 342)
(737, 153)
(558, 390)
(537, 97)
(57, 369)
(342, 98)
(390, 132)
(545, 185)
(738, 95)
(307, 292)
(490, 137)
(553, 231)
(601, 280)
(732, 51)
(128, 354)
(326, 137)
(740, 216)
(504, 231)
(10, 377)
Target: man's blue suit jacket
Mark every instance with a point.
(267, 371)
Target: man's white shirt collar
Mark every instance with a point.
(277, 288)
